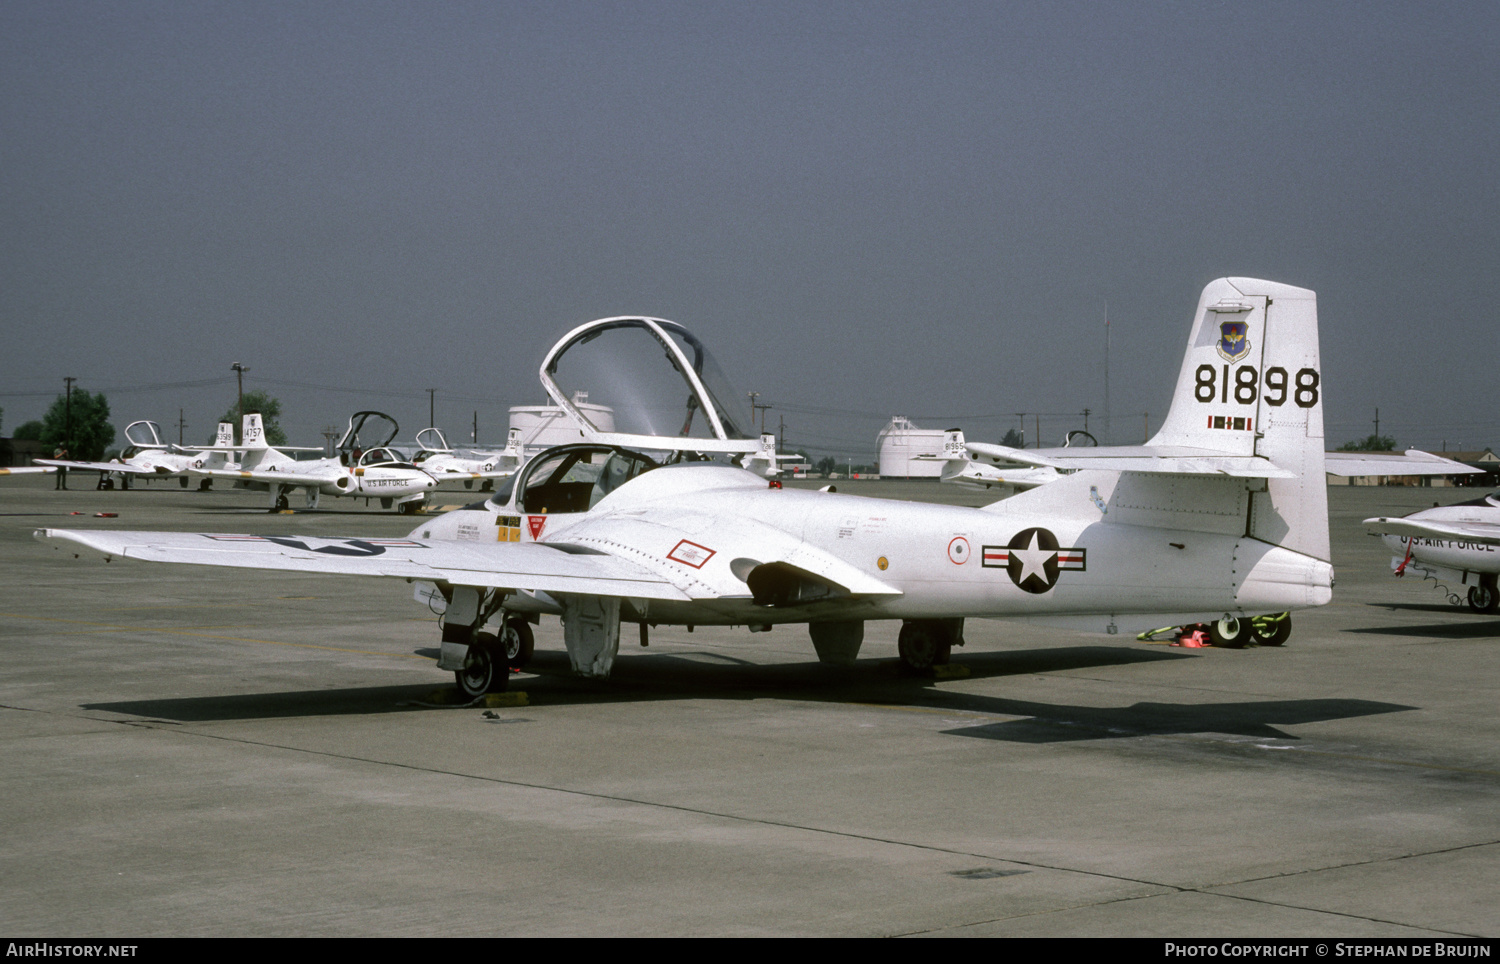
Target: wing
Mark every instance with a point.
(503, 565)
(29, 470)
(1484, 533)
(1413, 462)
(265, 475)
(456, 475)
(124, 467)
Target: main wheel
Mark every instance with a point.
(1484, 598)
(518, 641)
(1231, 633)
(182, 480)
(481, 673)
(282, 502)
(1273, 630)
(921, 646)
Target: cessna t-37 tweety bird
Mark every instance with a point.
(359, 470)
(445, 463)
(149, 457)
(1451, 544)
(1221, 517)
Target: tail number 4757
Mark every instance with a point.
(1246, 385)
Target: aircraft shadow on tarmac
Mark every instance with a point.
(1483, 628)
(705, 675)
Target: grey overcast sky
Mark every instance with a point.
(864, 208)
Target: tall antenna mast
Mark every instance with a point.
(1107, 435)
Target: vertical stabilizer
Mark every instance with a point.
(1251, 384)
(225, 437)
(253, 433)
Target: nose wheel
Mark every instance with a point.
(1484, 598)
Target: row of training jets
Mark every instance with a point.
(1221, 517)
(357, 470)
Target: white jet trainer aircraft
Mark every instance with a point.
(375, 472)
(1221, 517)
(148, 456)
(445, 463)
(1451, 544)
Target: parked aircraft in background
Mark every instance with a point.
(358, 470)
(967, 464)
(445, 463)
(1456, 545)
(148, 456)
(1221, 517)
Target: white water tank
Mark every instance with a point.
(901, 442)
(543, 426)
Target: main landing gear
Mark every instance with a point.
(925, 643)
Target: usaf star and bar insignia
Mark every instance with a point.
(1033, 559)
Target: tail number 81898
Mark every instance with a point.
(1245, 387)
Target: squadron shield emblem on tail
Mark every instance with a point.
(1234, 342)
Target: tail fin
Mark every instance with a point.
(1250, 385)
(253, 435)
(225, 437)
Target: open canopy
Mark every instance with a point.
(661, 382)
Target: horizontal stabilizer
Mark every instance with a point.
(1157, 459)
(1413, 462)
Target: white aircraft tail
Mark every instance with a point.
(253, 434)
(1251, 385)
(1241, 450)
(224, 439)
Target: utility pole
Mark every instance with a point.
(754, 406)
(239, 371)
(1377, 424)
(181, 425)
(68, 417)
(1085, 420)
(431, 418)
